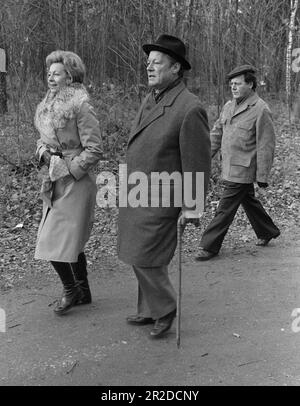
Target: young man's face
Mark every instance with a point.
(161, 72)
(239, 88)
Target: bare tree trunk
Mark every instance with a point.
(3, 95)
(234, 52)
(220, 57)
(61, 22)
(210, 47)
(66, 24)
(141, 26)
(76, 28)
(294, 6)
(186, 26)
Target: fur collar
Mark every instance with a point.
(54, 111)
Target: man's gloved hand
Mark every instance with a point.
(46, 157)
(262, 184)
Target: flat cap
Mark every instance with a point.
(240, 70)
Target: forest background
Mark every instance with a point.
(108, 35)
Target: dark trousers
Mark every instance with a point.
(235, 194)
(156, 295)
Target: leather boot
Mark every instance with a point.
(80, 272)
(71, 292)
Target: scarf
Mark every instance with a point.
(158, 94)
(56, 109)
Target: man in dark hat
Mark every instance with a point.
(170, 135)
(245, 134)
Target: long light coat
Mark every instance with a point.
(174, 136)
(68, 124)
(246, 137)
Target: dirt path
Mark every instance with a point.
(236, 327)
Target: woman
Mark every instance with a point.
(69, 146)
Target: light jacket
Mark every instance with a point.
(246, 136)
(68, 124)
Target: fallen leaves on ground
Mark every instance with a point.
(21, 210)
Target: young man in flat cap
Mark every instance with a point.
(170, 134)
(246, 136)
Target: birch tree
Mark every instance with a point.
(294, 7)
(3, 95)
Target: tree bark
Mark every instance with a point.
(3, 94)
(294, 7)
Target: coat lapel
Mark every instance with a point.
(156, 112)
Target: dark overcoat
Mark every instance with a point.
(173, 136)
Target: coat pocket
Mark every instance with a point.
(239, 167)
(62, 186)
(245, 125)
(245, 129)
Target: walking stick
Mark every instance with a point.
(180, 228)
(179, 239)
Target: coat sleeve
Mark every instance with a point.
(40, 149)
(216, 133)
(90, 138)
(195, 149)
(265, 143)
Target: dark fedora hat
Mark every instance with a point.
(240, 70)
(169, 45)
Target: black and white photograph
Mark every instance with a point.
(149, 196)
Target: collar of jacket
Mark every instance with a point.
(159, 94)
(157, 111)
(54, 112)
(250, 101)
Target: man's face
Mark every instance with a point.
(160, 70)
(239, 88)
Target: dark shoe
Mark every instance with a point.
(204, 255)
(262, 242)
(139, 320)
(86, 296)
(71, 295)
(80, 273)
(162, 325)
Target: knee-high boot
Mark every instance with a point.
(80, 272)
(71, 293)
